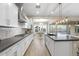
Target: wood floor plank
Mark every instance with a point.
(37, 47)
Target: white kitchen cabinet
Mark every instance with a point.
(19, 48)
(3, 13)
(3, 53)
(24, 44)
(50, 45)
(29, 40)
(75, 46)
(8, 14)
(12, 13)
(66, 48)
(63, 48)
(10, 51)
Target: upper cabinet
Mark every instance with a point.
(12, 18)
(8, 14)
(3, 13)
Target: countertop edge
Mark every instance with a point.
(13, 43)
(63, 40)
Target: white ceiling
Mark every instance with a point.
(68, 9)
(44, 10)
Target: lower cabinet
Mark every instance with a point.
(50, 45)
(63, 48)
(10, 51)
(75, 48)
(19, 48)
(23, 45)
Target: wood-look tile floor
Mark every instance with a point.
(37, 47)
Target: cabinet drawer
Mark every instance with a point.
(9, 51)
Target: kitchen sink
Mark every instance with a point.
(51, 34)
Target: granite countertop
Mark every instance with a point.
(4, 44)
(63, 37)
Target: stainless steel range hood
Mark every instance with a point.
(21, 17)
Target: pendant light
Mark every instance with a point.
(60, 11)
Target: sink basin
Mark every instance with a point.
(52, 34)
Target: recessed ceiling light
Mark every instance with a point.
(37, 4)
(9, 4)
(37, 12)
(52, 12)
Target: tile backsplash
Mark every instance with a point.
(10, 32)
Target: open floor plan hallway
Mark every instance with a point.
(37, 47)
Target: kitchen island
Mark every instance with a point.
(62, 44)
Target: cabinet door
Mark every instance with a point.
(3, 54)
(10, 51)
(63, 48)
(8, 14)
(20, 48)
(75, 45)
(12, 17)
(50, 45)
(3, 9)
(28, 41)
